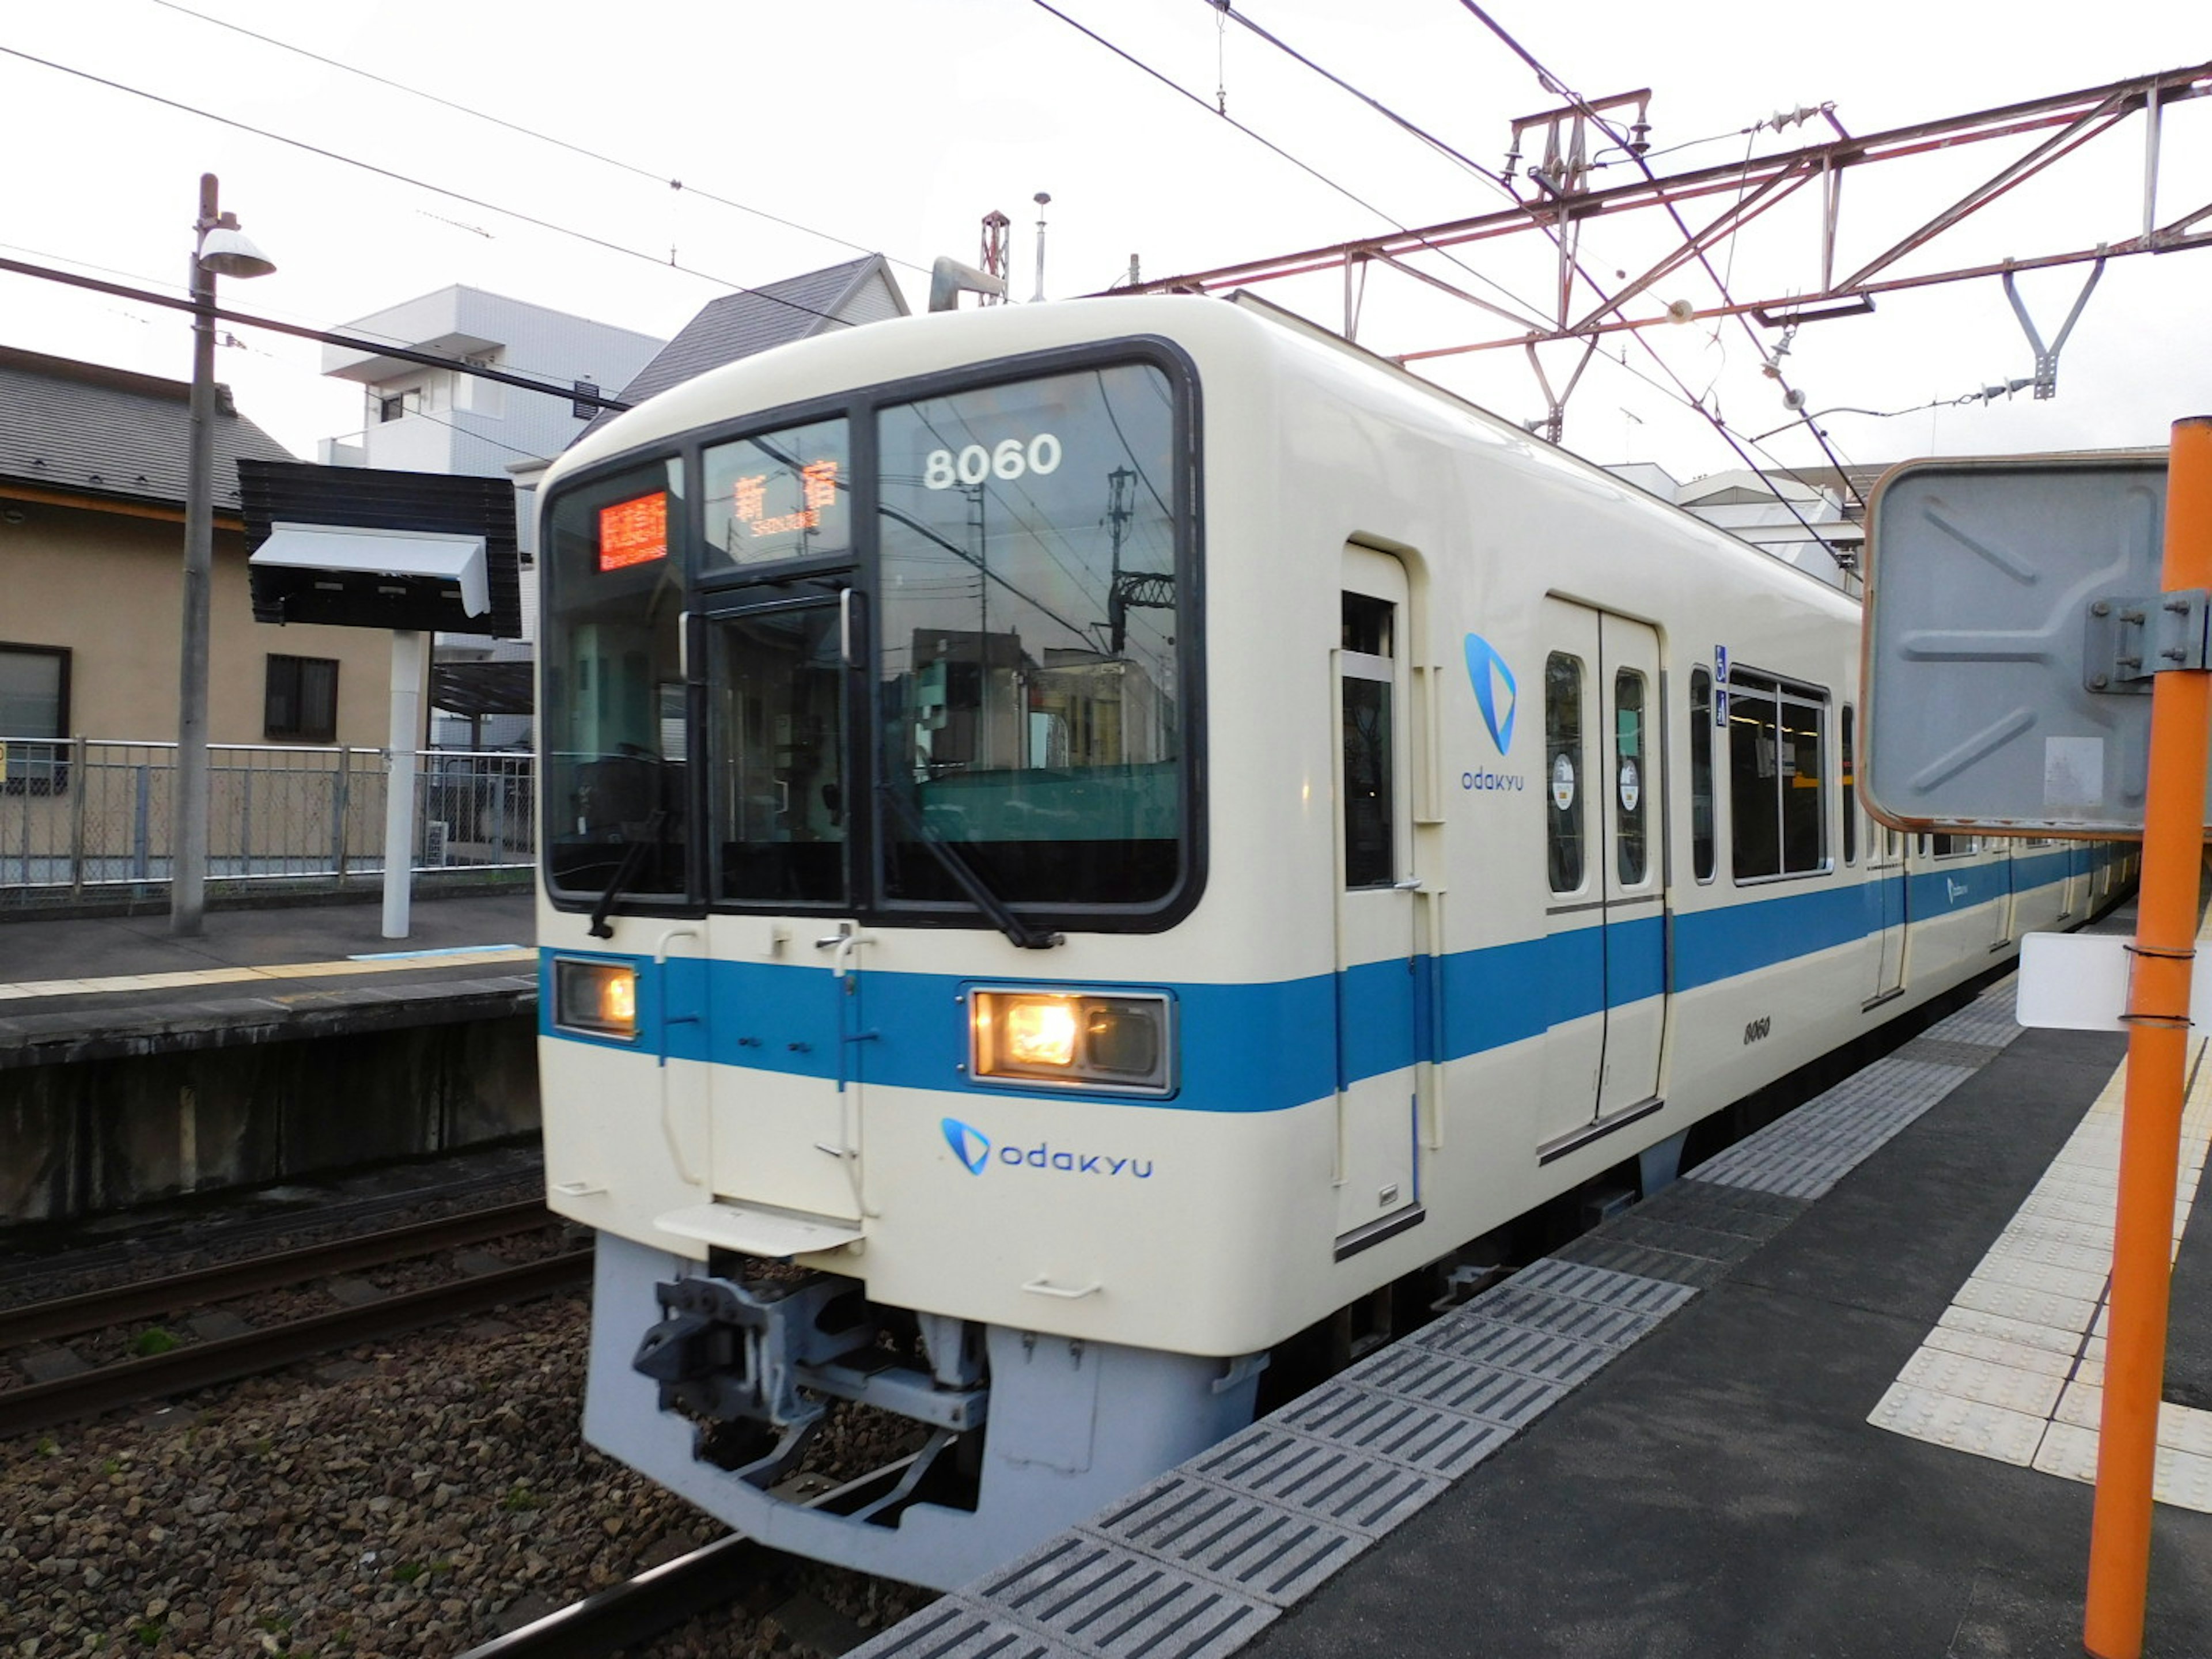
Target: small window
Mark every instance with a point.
(1563, 755)
(34, 718)
(788, 495)
(1370, 821)
(1777, 795)
(392, 408)
(1631, 777)
(1850, 794)
(301, 704)
(1702, 840)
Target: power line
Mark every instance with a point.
(328, 336)
(516, 127)
(1304, 166)
(422, 183)
(1558, 89)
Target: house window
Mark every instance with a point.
(34, 718)
(302, 701)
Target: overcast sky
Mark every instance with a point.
(896, 125)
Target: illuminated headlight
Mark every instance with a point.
(599, 997)
(1081, 1039)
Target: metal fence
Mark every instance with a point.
(87, 818)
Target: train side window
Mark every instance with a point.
(1849, 788)
(1563, 750)
(1778, 778)
(1632, 855)
(1370, 828)
(1703, 844)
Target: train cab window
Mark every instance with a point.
(1632, 856)
(1703, 842)
(777, 496)
(1370, 834)
(1847, 787)
(1777, 795)
(611, 723)
(1562, 766)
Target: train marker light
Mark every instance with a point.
(600, 997)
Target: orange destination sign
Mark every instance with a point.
(633, 532)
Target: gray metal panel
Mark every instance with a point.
(955, 1629)
(1315, 1476)
(1419, 1435)
(1980, 582)
(1253, 1546)
(1544, 1355)
(1101, 1599)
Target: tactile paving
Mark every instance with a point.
(1103, 1599)
(1506, 1398)
(1988, 1430)
(1256, 1547)
(1585, 1322)
(1544, 1355)
(1606, 1288)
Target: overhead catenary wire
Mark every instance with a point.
(516, 127)
(1682, 392)
(413, 182)
(1559, 88)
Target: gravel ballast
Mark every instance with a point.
(412, 1497)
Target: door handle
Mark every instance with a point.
(1043, 1286)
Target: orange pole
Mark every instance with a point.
(2150, 1128)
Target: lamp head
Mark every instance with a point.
(227, 252)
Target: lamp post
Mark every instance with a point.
(219, 248)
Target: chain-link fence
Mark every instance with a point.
(87, 818)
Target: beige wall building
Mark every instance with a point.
(92, 488)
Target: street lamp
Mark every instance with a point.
(219, 248)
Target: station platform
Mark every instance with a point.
(112, 987)
(1833, 1393)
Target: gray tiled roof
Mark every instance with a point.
(739, 325)
(97, 431)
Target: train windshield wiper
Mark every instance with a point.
(911, 819)
(632, 855)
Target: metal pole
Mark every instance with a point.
(188, 863)
(399, 778)
(2158, 1048)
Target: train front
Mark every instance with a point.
(870, 726)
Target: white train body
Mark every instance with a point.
(1466, 895)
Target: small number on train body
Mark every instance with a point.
(1009, 459)
(1759, 1030)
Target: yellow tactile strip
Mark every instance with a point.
(2014, 1369)
(194, 979)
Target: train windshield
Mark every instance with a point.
(938, 656)
(1026, 627)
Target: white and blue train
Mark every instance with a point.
(1084, 841)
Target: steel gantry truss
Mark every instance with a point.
(1553, 200)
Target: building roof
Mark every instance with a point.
(739, 325)
(91, 430)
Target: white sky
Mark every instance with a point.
(895, 125)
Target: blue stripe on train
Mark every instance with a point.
(1267, 1047)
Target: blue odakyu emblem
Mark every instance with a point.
(970, 1145)
(1495, 692)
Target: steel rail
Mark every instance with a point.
(204, 1364)
(629, 1615)
(42, 1322)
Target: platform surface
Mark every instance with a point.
(1825, 1395)
(89, 988)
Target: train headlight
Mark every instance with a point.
(598, 997)
(1079, 1039)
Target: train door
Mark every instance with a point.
(785, 1120)
(1377, 1177)
(1885, 869)
(1604, 803)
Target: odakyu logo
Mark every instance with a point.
(1495, 692)
(973, 1148)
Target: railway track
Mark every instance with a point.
(627, 1614)
(200, 1365)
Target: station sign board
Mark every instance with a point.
(2013, 622)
